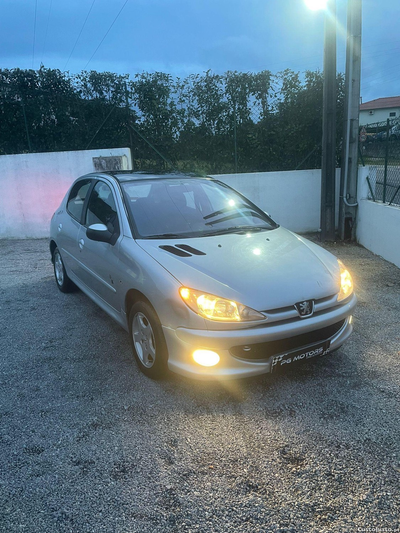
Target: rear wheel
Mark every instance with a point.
(62, 280)
(147, 340)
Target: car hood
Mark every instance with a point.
(265, 270)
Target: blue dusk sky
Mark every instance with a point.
(183, 37)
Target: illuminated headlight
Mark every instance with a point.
(216, 308)
(206, 357)
(346, 283)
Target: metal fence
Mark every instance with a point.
(380, 149)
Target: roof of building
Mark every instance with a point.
(381, 103)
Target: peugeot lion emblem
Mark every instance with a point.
(305, 308)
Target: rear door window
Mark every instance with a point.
(77, 198)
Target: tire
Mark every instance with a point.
(62, 280)
(147, 340)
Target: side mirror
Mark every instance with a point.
(99, 233)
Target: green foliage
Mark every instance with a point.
(206, 122)
(153, 96)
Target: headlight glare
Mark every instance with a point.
(216, 308)
(346, 283)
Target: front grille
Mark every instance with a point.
(264, 350)
(280, 310)
(290, 314)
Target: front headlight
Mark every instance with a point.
(216, 308)
(346, 283)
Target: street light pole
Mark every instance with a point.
(349, 174)
(328, 174)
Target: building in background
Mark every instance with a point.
(379, 110)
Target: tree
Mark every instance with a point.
(154, 98)
(102, 114)
(208, 122)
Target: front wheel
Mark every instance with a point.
(62, 280)
(147, 340)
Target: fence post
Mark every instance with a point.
(386, 161)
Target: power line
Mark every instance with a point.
(80, 33)
(385, 74)
(377, 46)
(47, 29)
(105, 35)
(386, 52)
(34, 35)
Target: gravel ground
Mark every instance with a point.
(88, 444)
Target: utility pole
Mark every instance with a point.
(329, 126)
(349, 171)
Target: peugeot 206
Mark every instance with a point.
(204, 281)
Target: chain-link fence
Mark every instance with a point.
(207, 123)
(380, 149)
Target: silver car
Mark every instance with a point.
(206, 283)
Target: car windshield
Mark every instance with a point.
(190, 207)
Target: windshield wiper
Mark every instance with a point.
(235, 229)
(226, 210)
(164, 236)
(235, 215)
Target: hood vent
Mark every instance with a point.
(181, 250)
(189, 249)
(175, 251)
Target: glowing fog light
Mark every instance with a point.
(206, 357)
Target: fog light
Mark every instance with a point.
(206, 357)
(350, 319)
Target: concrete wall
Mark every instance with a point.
(378, 225)
(292, 198)
(33, 185)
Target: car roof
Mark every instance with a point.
(130, 175)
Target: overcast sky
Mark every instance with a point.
(182, 37)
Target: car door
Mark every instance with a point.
(70, 225)
(99, 263)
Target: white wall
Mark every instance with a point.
(379, 115)
(292, 198)
(378, 225)
(33, 185)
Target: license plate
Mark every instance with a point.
(298, 356)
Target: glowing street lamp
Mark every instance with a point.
(316, 5)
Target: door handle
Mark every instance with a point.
(81, 243)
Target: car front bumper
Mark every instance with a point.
(182, 342)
